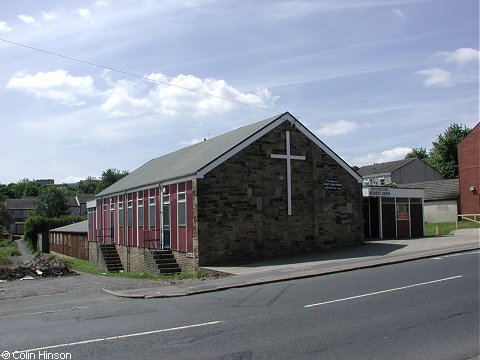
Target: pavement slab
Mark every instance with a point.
(371, 254)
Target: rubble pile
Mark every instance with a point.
(38, 267)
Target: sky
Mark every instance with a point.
(371, 78)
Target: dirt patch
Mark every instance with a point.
(38, 267)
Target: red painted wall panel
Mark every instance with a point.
(189, 217)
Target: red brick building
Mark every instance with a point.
(469, 170)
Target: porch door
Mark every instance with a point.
(166, 222)
(112, 225)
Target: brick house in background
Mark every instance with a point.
(469, 171)
(18, 210)
(270, 188)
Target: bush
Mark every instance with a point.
(42, 225)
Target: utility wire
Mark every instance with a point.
(136, 75)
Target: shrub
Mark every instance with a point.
(42, 225)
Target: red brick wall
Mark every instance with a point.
(469, 169)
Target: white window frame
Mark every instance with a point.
(182, 194)
(152, 204)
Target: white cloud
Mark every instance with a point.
(175, 99)
(83, 13)
(102, 3)
(436, 77)
(49, 16)
(397, 153)
(122, 102)
(208, 96)
(398, 13)
(190, 142)
(57, 85)
(27, 19)
(73, 179)
(460, 56)
(340, 127)
(4, 27)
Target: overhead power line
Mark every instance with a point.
(135, 75)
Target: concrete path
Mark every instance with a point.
(371, 254)
(26, 256)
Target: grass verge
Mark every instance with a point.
(88, 267)
(8, 248)
(445, 228)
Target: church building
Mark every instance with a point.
(271, 188)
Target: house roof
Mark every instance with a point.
(383, 168)
(20, 204)
(448, 189)
(198, 159)
(84, 198)
(80, 227)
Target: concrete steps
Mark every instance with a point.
(111, 258)
(166, 262)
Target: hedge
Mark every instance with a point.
(42, 225)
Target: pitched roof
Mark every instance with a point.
(383, 168)
(200, 158)
(80, 227)
(448, 189)
(20, 204)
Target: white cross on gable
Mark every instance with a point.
(288, 157)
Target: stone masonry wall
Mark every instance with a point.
(242, 204)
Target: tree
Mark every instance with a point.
(110, 177)
(420, 153)
(53, 202)
(443, 155)
(88, 186)
(5, 217)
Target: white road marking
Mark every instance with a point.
(458, 254)
(120, 337)
(43, 312)
(383, 291)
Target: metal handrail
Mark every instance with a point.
(155, 241)
(467, 218)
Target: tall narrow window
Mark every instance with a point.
(140, 214)
(130, 213)
(182, 209)
(120, 213)
(151, 212)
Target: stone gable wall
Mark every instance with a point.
(242, 204)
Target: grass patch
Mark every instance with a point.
(88, 267)
(446, 228)
(8, 248)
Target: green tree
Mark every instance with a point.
(5, 218)
(420, 153)
(443, 156)
(109, 177)
(53, 202)
(88, 186)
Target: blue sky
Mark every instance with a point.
(371, 78)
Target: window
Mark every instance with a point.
(130, 213)
(151, 212)
(120, 213)
(104, 204)
(182, 209)
(140, 213)
(402, 212)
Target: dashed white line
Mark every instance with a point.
(43, 312)
(383, 291)
(120, 337)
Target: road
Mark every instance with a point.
(425, 309)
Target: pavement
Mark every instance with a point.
(371, 254)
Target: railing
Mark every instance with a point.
(468, 217)
(102, 234)
(152, 239)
